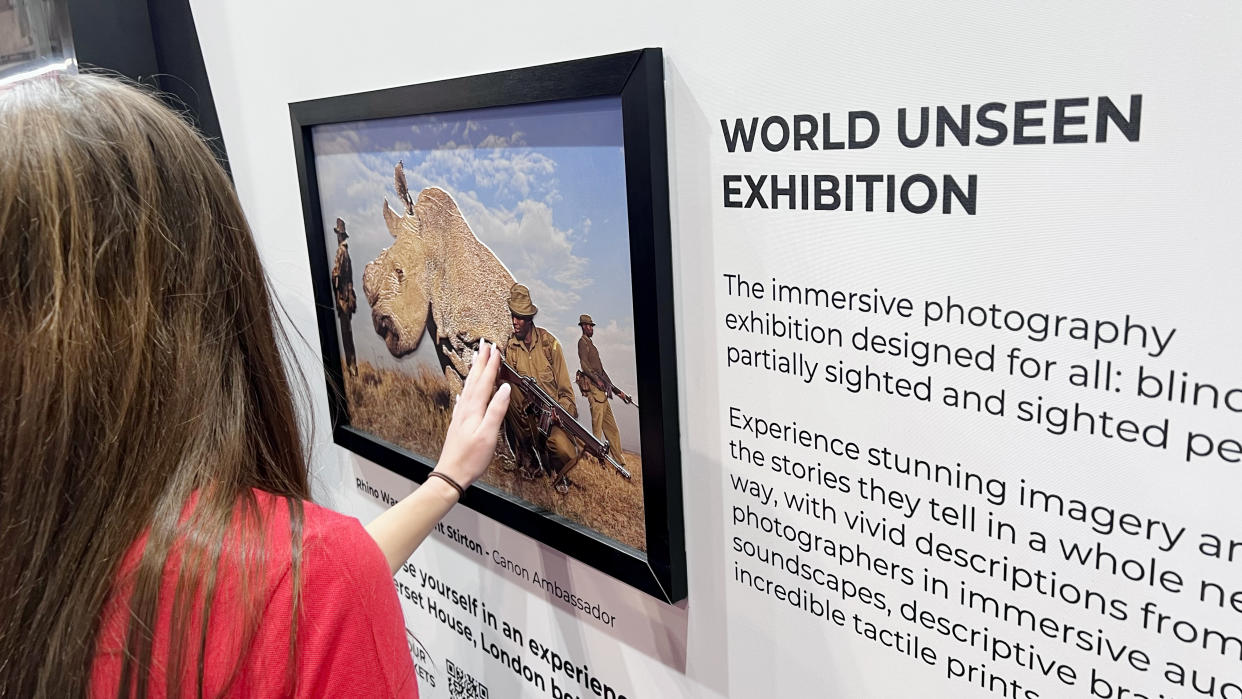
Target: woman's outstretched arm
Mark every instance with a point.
(468, 449)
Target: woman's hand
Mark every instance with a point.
(469, 447)
(470, 442)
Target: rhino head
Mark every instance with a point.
(397, 284)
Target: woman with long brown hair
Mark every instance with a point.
(158, 538)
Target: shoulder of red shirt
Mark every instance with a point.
(350, 632)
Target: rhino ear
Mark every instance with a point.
(391, 219)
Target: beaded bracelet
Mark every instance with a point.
(456, 486)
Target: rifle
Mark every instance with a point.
(625, 397)
(550, 413)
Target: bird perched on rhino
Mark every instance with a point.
(436, 279)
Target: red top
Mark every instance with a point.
(351, 633)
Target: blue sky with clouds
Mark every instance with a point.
(542, 185)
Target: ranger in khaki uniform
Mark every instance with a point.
(594, 383)
(346, 299)
(534, 352)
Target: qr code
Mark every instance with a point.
(462, 685)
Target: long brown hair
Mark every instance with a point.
(140, 370)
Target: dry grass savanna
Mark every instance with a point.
(413, 411)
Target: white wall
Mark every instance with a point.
(1097, 230)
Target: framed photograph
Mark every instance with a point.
(529, 209)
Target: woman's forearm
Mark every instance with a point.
(403, 527)
(469, 446)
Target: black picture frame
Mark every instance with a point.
(637, 78)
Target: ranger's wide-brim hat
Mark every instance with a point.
(340, 228)
(519, 302)
(585, 319)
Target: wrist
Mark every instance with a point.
(445, 486)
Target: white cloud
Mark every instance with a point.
(518, 174)
(510, 173)
(496, 141)
(555, 305)
(548, 247)
(337, 141)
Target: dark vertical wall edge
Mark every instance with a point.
(114, 35)
(154, 42)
